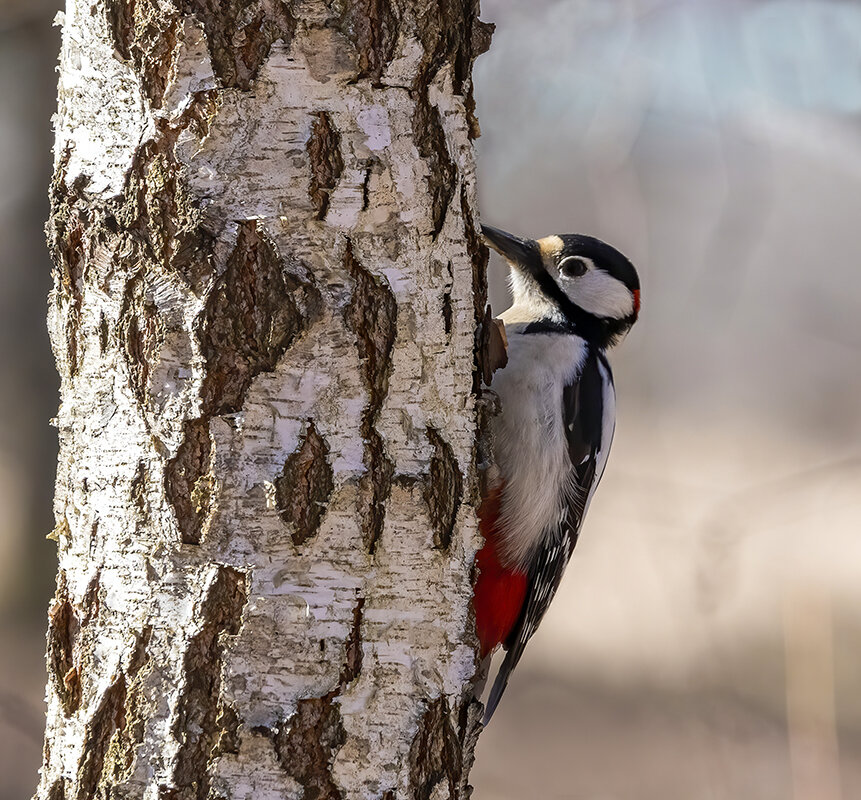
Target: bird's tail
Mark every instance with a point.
(501, 682)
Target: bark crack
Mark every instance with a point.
(143, 333)
(372, 316)
(429, 136)
(206, 724)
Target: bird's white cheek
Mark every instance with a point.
(602, 295)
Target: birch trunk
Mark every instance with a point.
(267, 291)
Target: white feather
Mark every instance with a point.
(600, 293)
(530, 444)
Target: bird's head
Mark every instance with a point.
(569, 282)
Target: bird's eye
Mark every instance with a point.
(573, 266)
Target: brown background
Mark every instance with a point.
(706, 641)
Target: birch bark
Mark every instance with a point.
(267, 291)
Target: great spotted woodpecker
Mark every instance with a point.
(574, 297)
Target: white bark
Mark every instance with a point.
(267, 290)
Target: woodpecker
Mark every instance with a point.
(574, 297)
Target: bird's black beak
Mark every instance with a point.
(522, 253)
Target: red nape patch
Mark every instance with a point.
(636, 302)
(499, 592)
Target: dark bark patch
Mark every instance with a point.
(120, 758)
(451, 33)
(104, 334)
(63, 627)
(324, 153)
(240, 34)
(204, 722)
(447, 311)
(353, 650)
(372, 26)
(497, 347)
(366, 187)
(253, 313)
(144, 32)
(482, 35)
(139, 653)
(482, 32)
(478, 255)
(109, 717)
(227, 723)
(374, 486)
(435, 753)
(307, 744)
(429, 136)
(303, 489)
(121, 21)
(372, 316)
(159, 212)
(66, 233)
(189, 482)
(443, 489)
(57, 791)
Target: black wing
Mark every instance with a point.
(583, 415)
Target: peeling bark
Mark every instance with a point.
(269, 318)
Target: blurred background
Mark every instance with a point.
(706, 642)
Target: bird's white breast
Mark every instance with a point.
(530, 446)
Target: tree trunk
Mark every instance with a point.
(267, 291)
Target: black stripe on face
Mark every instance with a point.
(600, 331)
